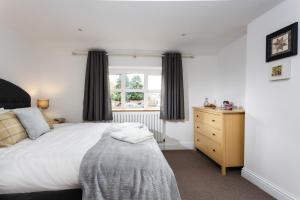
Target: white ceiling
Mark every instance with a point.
(151, 25)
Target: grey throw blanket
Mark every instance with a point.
(116, 170)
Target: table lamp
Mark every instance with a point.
(43, 103)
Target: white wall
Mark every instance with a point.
(232, 71)
(61, 80)
(17, 62)
(272, 139)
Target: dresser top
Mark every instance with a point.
(219, 110)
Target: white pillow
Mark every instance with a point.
(33, 121)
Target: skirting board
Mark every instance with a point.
(266, 185)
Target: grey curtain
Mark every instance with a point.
(97, 103)
(172, 95)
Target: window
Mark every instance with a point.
(135, 88)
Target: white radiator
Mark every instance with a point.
(150, 119)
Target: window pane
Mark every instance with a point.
(154, 82)
(115, 81)
(134, 81)
(154, 100)
(116, 99)
(134, 100)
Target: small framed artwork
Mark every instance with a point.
(280, 70)
(282, 43)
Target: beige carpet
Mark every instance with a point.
(199, 178)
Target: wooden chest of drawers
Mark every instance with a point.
(220, 135)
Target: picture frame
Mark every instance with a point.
(280, 70)
(282, 43)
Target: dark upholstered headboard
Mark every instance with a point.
(12, 96)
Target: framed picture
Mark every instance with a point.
(282, 43)
(280, 70)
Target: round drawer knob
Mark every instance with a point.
(214, 150)
(213, 120)
(214, 134)
(197, 140)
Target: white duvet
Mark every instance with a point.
(50, 162)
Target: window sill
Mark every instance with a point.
(136, 110)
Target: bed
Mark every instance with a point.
(57, 164)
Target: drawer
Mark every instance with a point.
(209, 131)
(197, 137)
(213, 120)
(210, 148)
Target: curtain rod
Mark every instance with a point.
(81, 53)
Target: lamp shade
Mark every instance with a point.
(43, 103)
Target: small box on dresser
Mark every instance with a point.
(220, 135)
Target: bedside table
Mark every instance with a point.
(58, 121)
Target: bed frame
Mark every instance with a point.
(11, 97)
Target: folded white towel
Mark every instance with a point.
(122, 126)
(132, 135)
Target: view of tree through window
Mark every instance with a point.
(115, 86)
(134, 98)
(130, 90)
(134, 81)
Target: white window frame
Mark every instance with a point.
(123, 70)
